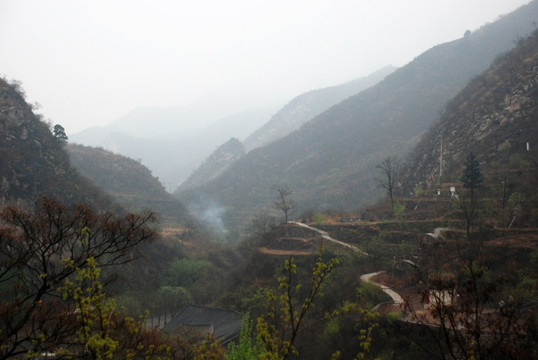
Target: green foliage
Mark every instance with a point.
(254, 302)
(332, 328)
(378, 251)
(173, 298)
(472, 174)
(518, 160)
(92, 309)
(393, 316)
(42, 248)
(517, 199)
(319, 218)
(249, 347)
(208, 349)
(290, 306)
(59, 134)
(102, 331)
(371, 295)
(185, 272)
(129, 301)
(278, 329)
(399, 210)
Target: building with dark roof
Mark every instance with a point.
(220, 323)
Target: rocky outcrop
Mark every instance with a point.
(494, 116)
(32, 162)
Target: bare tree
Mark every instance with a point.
(261, 224)
(284, 202)
(390, 171)
(470, 317)
(39, 250)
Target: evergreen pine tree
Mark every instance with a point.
(472, 175)
(59, 134)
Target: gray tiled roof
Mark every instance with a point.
(226, 323)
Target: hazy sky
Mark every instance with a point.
(90, 62)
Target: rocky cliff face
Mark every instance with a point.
(32, 162)
(494, 116)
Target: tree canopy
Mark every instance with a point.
(472, 175)
(42, 248)
(59, 134)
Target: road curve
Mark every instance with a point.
(396, 298)
(326, 236)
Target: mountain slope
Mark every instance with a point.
(331, 160)
(191, 134)
(130, 183)
(307, 106)
(227, 154)
(298, 111)
(495, 117)
(32, 162)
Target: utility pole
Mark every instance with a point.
(441, 161)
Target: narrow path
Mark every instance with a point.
(396, 298)
(326, 236)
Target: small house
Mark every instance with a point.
(219, 323)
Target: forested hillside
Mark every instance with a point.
(128, 182)
(331, 161)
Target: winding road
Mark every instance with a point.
(396, 298)
(326, 236)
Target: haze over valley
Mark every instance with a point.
(241, 181)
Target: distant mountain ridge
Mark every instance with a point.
(307, 106)
(294, 114)
(173, 157)
(330, 161)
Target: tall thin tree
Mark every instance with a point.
(390, 171)
(284, 203)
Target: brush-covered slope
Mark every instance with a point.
(307, 106)
(33, 162)
(331, 160)
(494, 116)
(294, 114)
(130, 183)
(227, 154)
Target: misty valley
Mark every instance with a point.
(393, 216)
